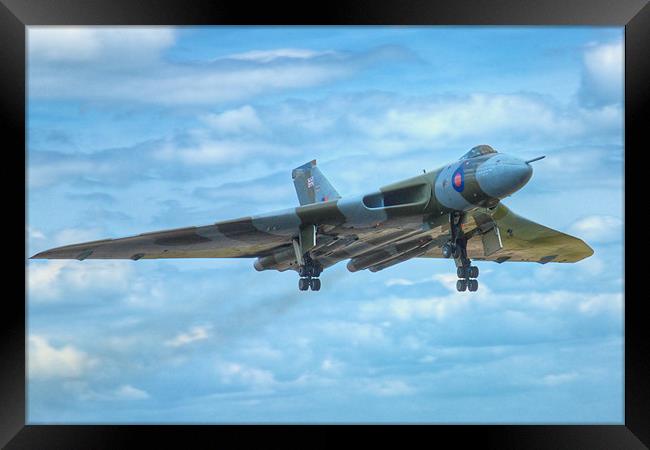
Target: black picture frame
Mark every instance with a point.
(16, 15)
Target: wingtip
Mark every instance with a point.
(587, 251)
(41, 255)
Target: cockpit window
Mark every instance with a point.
(478, 151)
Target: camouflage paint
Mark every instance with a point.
(399, 221)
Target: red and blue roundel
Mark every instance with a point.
(458, 179)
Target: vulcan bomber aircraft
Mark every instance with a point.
(453, 212)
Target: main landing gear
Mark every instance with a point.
(309, 273)
(457, 248)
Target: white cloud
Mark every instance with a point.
(128, 392)
(173, 83)
(383, 130)
(92, 44)
(75, 235)
(606, 62)
(51, 279)
(47, 361)
(235, 373)
(418, 308)
(477, 115)
(233, 121)
(399, 282)
(261, 351)
(602, 81)
(197, 333)
(447, 280)
(390, 388)
(106, 60)
(270, 55)
(387, 125)
(598, 228)
(208, 86)
(598, 303)
(42, 277)
(560, 378)
(63, 44)
(354, 332)
(214, 151)
(34, 233)
(265, 192)
(593, 266)
(44, 174)
(84, 391)
(515, 309)
(331, 365)
(436, 307)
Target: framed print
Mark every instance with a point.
(376, 214)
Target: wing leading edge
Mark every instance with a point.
(228, 239)
(519, 240)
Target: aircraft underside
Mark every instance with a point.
(376, 249)
(454, 212)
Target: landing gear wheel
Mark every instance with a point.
(472, 285)
(447, 250)
(309, 273)
(461, 285)
(473, 272)
(462, 272)
(310, 269)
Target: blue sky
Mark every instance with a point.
(140, 129)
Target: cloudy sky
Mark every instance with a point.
(141, 129)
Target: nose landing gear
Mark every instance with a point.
(457, 248)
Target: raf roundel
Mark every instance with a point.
(458, 180)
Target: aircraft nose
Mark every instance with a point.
(501, 175)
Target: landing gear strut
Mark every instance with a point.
(457, 248)
(309, 273)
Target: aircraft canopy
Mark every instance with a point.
(478, 151)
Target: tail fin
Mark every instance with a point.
(311, 185)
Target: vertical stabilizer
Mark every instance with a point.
(311, 185)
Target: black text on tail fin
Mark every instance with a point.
(311, 185)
